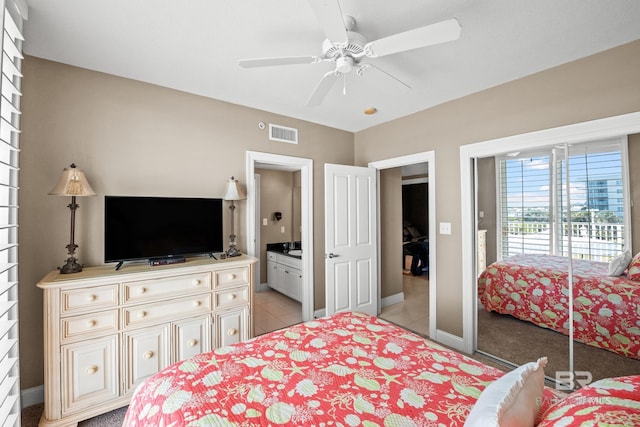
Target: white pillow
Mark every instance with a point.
(619, 263)
(511, 400)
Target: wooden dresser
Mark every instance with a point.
(105, 331)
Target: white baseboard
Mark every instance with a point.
(32, 396)
(449, 340)
(392, 299)
(319, 313)
(261, 287)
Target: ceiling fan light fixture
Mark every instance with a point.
(344, 64)
(347, 49)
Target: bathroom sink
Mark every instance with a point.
(295, 252)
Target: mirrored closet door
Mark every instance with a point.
(549, 223)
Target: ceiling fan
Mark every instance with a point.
(347, 49)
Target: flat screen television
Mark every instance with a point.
(160, 228)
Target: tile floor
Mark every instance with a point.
(413, 312)
(275, 311)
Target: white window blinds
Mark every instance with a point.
(525, 201)
(597, 201)
(10, 65)
(536, 216)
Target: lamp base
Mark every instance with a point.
(233, 251)
(71, 266)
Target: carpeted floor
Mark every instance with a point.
(31, 417)
(521, 342)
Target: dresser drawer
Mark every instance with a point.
(145, 290)
(170, 309)
(232, 277)
(75, 300)
(231, 298)
(88, 324)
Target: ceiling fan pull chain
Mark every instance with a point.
(344, 84)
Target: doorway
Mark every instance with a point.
(256, 247)
(405, 217)
(412, 305)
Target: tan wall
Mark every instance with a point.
(600, 86)
(133, 138)
(390, 231)
(276, 195)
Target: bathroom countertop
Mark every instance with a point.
(283, 248)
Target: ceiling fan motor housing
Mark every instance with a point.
(353, 48)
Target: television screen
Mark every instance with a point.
(160, 227)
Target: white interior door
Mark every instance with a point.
(351, 242)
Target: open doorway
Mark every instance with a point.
(408, 299)
(413, 311)
(278, 292)
(279, 235)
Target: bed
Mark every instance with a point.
(534, 288)
(353, 369)
(347, 369)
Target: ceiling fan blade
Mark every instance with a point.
(330, 17)
(382, 79)
(441, 32)
(323, 87)
(268, 62)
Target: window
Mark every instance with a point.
(534, 204)
(9, 149)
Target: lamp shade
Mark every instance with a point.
(72, 183)
(234, 191)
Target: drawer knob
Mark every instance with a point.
(195, 282)
(232, 276)
(232, 332)
(142, 290)
(192, 342)
(197, 303)
(148, 355)
(232, 296)
(92, 297)
(92, 370)
(92, 323)
(142, 314)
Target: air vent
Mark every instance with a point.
(283, 134)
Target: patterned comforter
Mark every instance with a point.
(534, 288)
(348, 369)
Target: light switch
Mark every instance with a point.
(481, 214)
(445, 228)
(265, 221)
(282, 229)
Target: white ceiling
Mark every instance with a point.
(194, 46)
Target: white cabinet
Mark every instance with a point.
(145, 352)
(106, 331)
(284, 274)
(231, 327)
(191, 337)
(90, 368)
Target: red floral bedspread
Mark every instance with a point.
(534, 288)
(348, 369)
